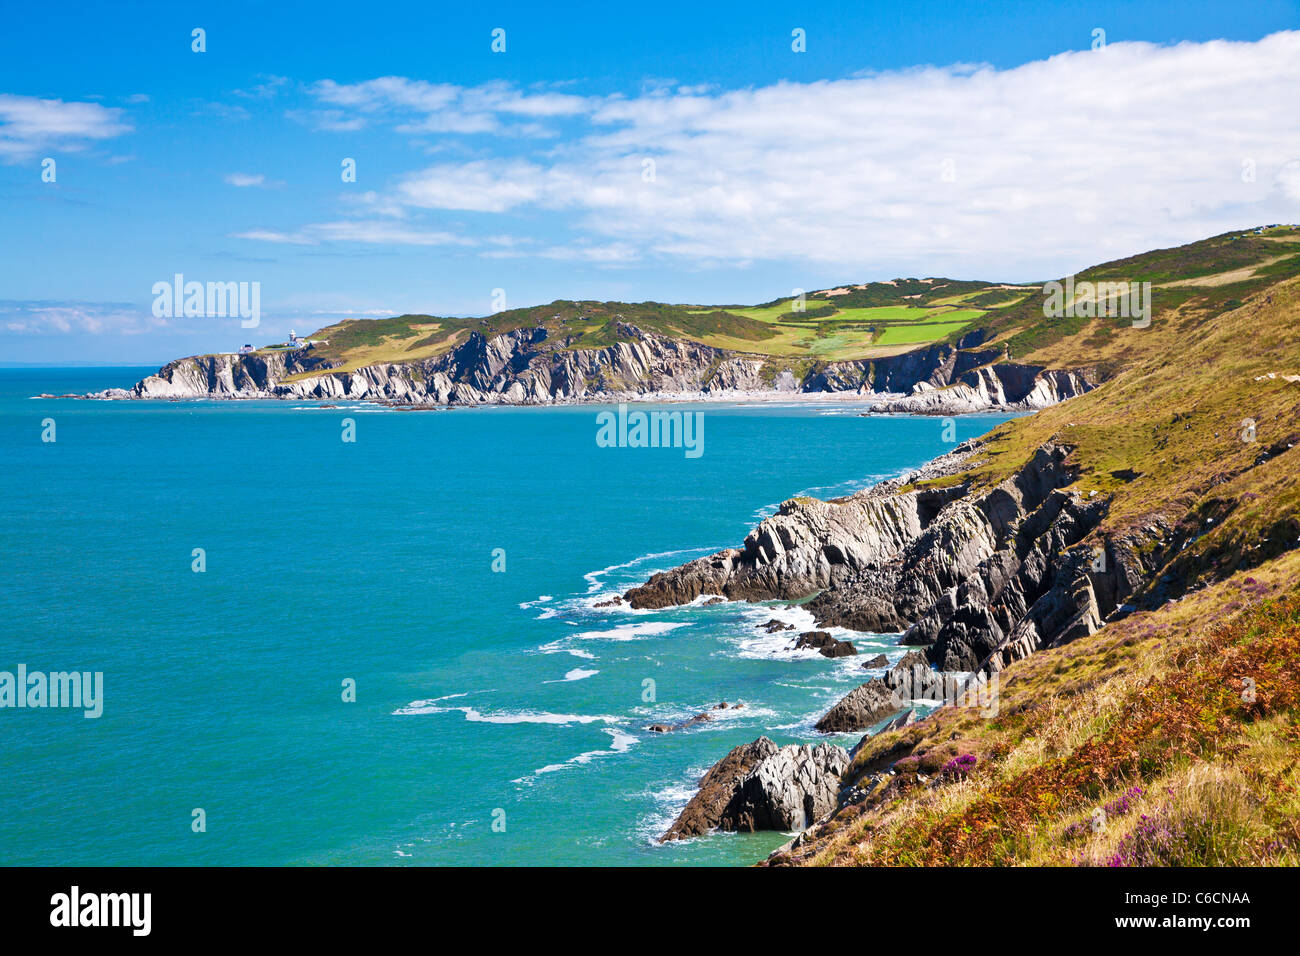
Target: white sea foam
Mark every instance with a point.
(751, 642)
(621, 743)
(669, 802)
(577, 673)
(660, 714)
(593, 578)
(421, 707)
(631, 632)
(842, 489)
(562, 647)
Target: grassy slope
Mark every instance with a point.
(1149, 716)
(573, 325)
(871, 320)
(867, 321)
(1153, 701)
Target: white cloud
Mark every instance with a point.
(330, 121)
(268, 89)
(29, 125)
(614, 253)
(418, 106)
(82, 318)
(481, 186)
(245, 180)
(363, 231)
(1019, 173)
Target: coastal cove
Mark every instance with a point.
(482, 695)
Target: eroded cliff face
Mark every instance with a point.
(530, 366)
(808, 545)
(979, 578)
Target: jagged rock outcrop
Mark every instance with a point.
(806, 546)
(1001, 385)
(912, 678)
(861, 707)
(534, 366)
(760, 786)
(977, 577)
(936, 577)
(824, 644)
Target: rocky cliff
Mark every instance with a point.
(977, 577)
(760, 786)
(533, 366)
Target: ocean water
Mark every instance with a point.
(482, 695)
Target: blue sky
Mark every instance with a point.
(909, 139)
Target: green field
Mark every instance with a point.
(767, 313)
(918, 334)
(825, 330)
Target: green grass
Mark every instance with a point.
(829, 332)
(767, 313)
(885, 313)
(918, 334)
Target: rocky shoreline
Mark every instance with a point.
(533, 367)
(972, 577)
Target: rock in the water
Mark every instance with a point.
(774, 625)
(824, 644)
(789, 790)
(705, 809)
(861, 708)
(692, 721)
(760, 786)
(681, 725)
(615, 601)
(880, 660)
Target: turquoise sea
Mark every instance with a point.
(481, 695)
